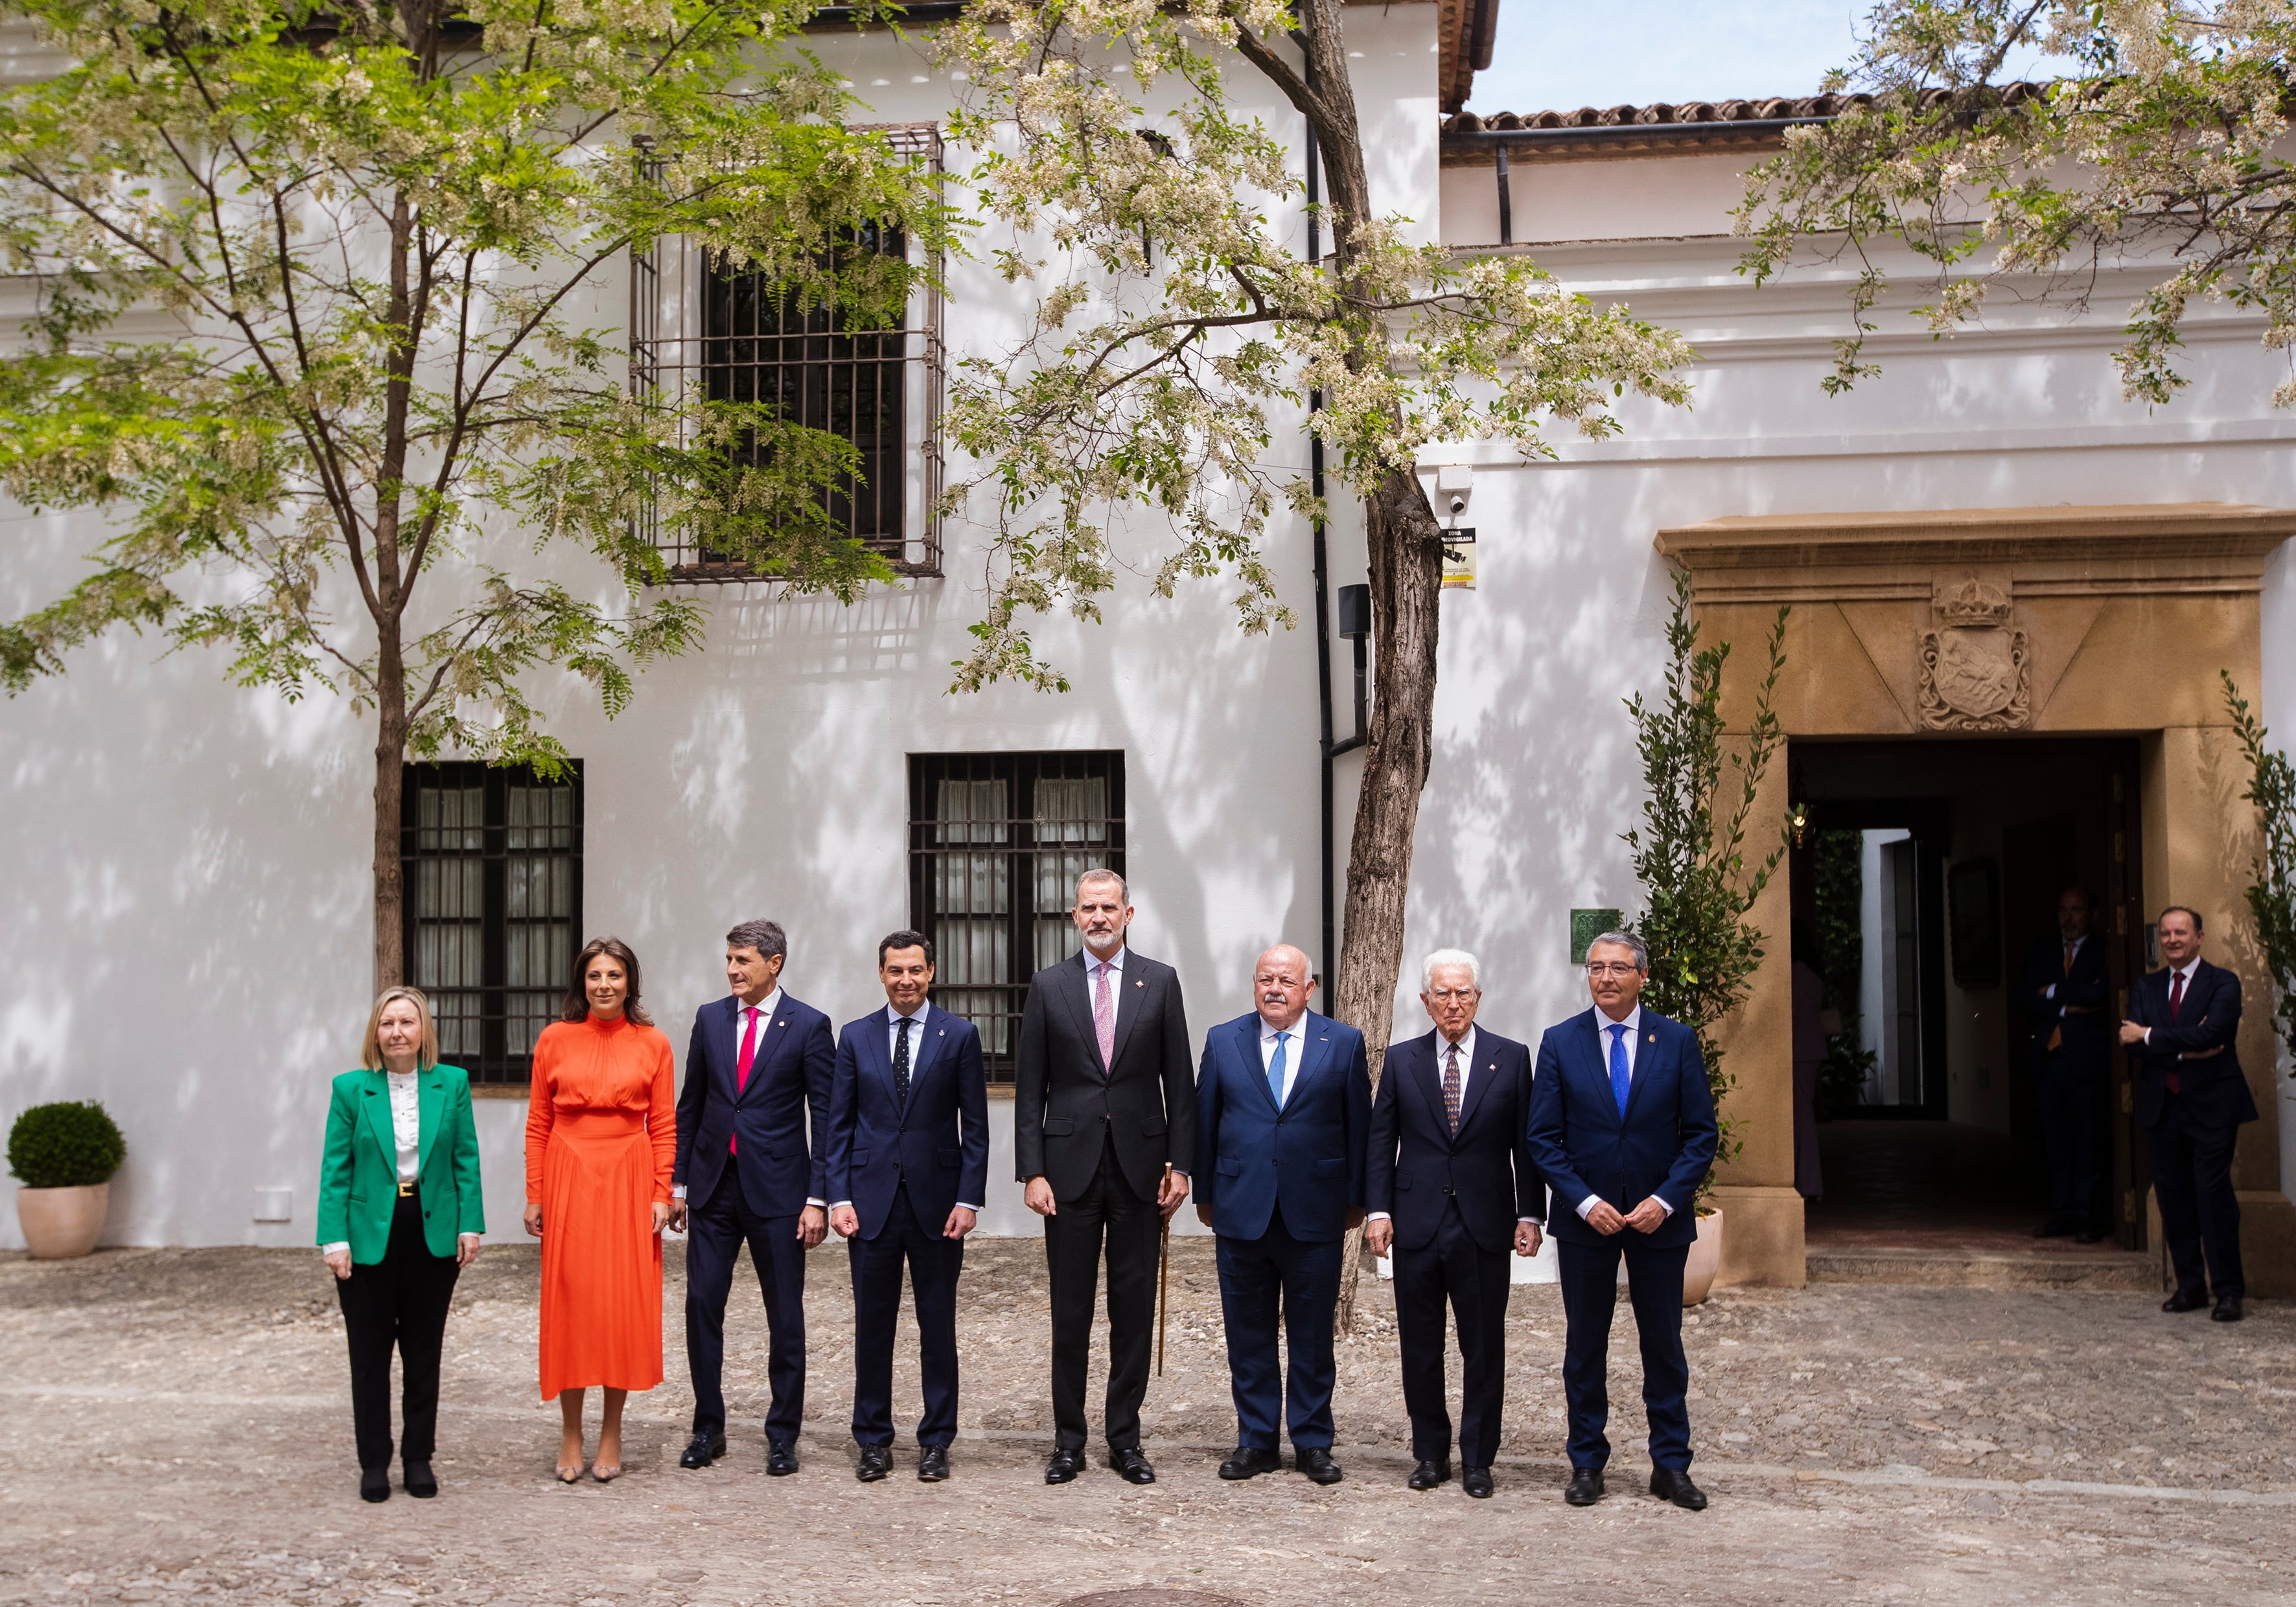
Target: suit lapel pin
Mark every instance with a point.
(1654, 1037)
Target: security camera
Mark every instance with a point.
(1458, 505)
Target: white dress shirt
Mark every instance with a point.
(766, 1008)
(2184, 970)
(405, 1133)
(893, 1020)
(1293, 1049)
(1466, 1066)
(1633, 1041)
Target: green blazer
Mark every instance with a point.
(358, 1175)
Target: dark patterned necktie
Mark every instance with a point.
(1451, 1087)
(901, 1063)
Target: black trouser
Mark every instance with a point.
(1132, 1226)
(1452, 1269)
(716, 1229)
(935, 1263)
(400, 1302)
(2200, 1214)
(1590, 1296)
(2072, 1120)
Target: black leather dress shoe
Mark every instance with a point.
(702, 1450)
(1246, 1462)
(2185, 1301)
(1317, 1463)
(1477, 1482)
(1064, 1466)
(1668, 1485)
(2089, 1236)
(933, 1465)
(781, 1457)
(1585, 1487)
(2228, 1310)
(1132, 1463)
(1427, 1475)
(876, 1462)
(2053, 1230)
(375, 1484)
(422, 1483)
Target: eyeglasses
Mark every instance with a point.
(1613, 968)
(1447, 995)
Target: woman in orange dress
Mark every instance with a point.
(601, 1137)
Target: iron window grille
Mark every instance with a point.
(996, 844)
(701, 331)
(493, 860)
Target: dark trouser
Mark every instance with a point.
(1590, 1294)
(1133, 1228)
(1475, 1282)
(2072, 1134)
(398, 1302)
(2200, 1214)
(716, 1229)
(1303, 1277)
(934, 1263)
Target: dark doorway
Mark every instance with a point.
(1925, 875)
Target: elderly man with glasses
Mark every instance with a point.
(1623, 1127)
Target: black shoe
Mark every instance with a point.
(1064, 1466)
(1477, 1482)
(1249, 1461)
(932, 1466)
(2053, 1230)
(2089, 1235)
(876, 1462)
(2185, 1301)
(375, 1484)
(1316, 1461)
(781, 1457)
(702, 1449)
(2228, 1310)
(1132, 1463)
(1585, 1487)
(1427, 1475)
(1668, 1485)
(422, 1484)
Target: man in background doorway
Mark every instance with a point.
(2063, 993)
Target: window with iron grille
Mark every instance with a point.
(494, 899)
(996, 841)
(702, 329)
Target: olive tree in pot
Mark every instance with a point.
(64, 1155)
(1691, 856)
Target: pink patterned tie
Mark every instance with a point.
(1104, 1021)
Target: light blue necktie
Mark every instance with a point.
(1621, 1083)
(1275, 1073)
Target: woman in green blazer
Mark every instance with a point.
(399, 1214)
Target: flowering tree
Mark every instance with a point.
(1177, 329)
(309, 285)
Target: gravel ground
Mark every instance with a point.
(176, 1429)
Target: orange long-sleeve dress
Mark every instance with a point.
(601, 1142)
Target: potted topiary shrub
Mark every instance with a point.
(64, 1155)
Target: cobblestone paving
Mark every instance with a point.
(175, 1427)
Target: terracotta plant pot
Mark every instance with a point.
(1705, 1257)
(60, 1223)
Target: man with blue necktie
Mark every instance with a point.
(1622, 1125)
(1282, 1132)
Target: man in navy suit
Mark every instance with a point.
(2192, 1098)
(1283, 1125)
(908, 1163)
(2063, 992)
(747, 1173)
(1622, 1125)
(1452, 1189)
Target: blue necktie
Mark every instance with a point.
(1275, 1073)
(1619, 1081)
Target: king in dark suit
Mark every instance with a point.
(748, 1172)
(1622, 1125)
(1103, 1136)
(2192, 1097)
(1452, 1189)
(2063, 992)
(907, 1165)
(1282, 1131)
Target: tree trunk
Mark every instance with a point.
(389, 790)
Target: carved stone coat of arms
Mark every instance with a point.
(1975, 668)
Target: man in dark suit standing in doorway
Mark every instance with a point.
(1623, 1127)
(1103, 1133)
(2192, 1097)
(2063, 992)
(1452, 1189)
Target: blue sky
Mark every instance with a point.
(1565, 53)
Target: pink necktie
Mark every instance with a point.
(743, 1061)
(1104, 1022)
